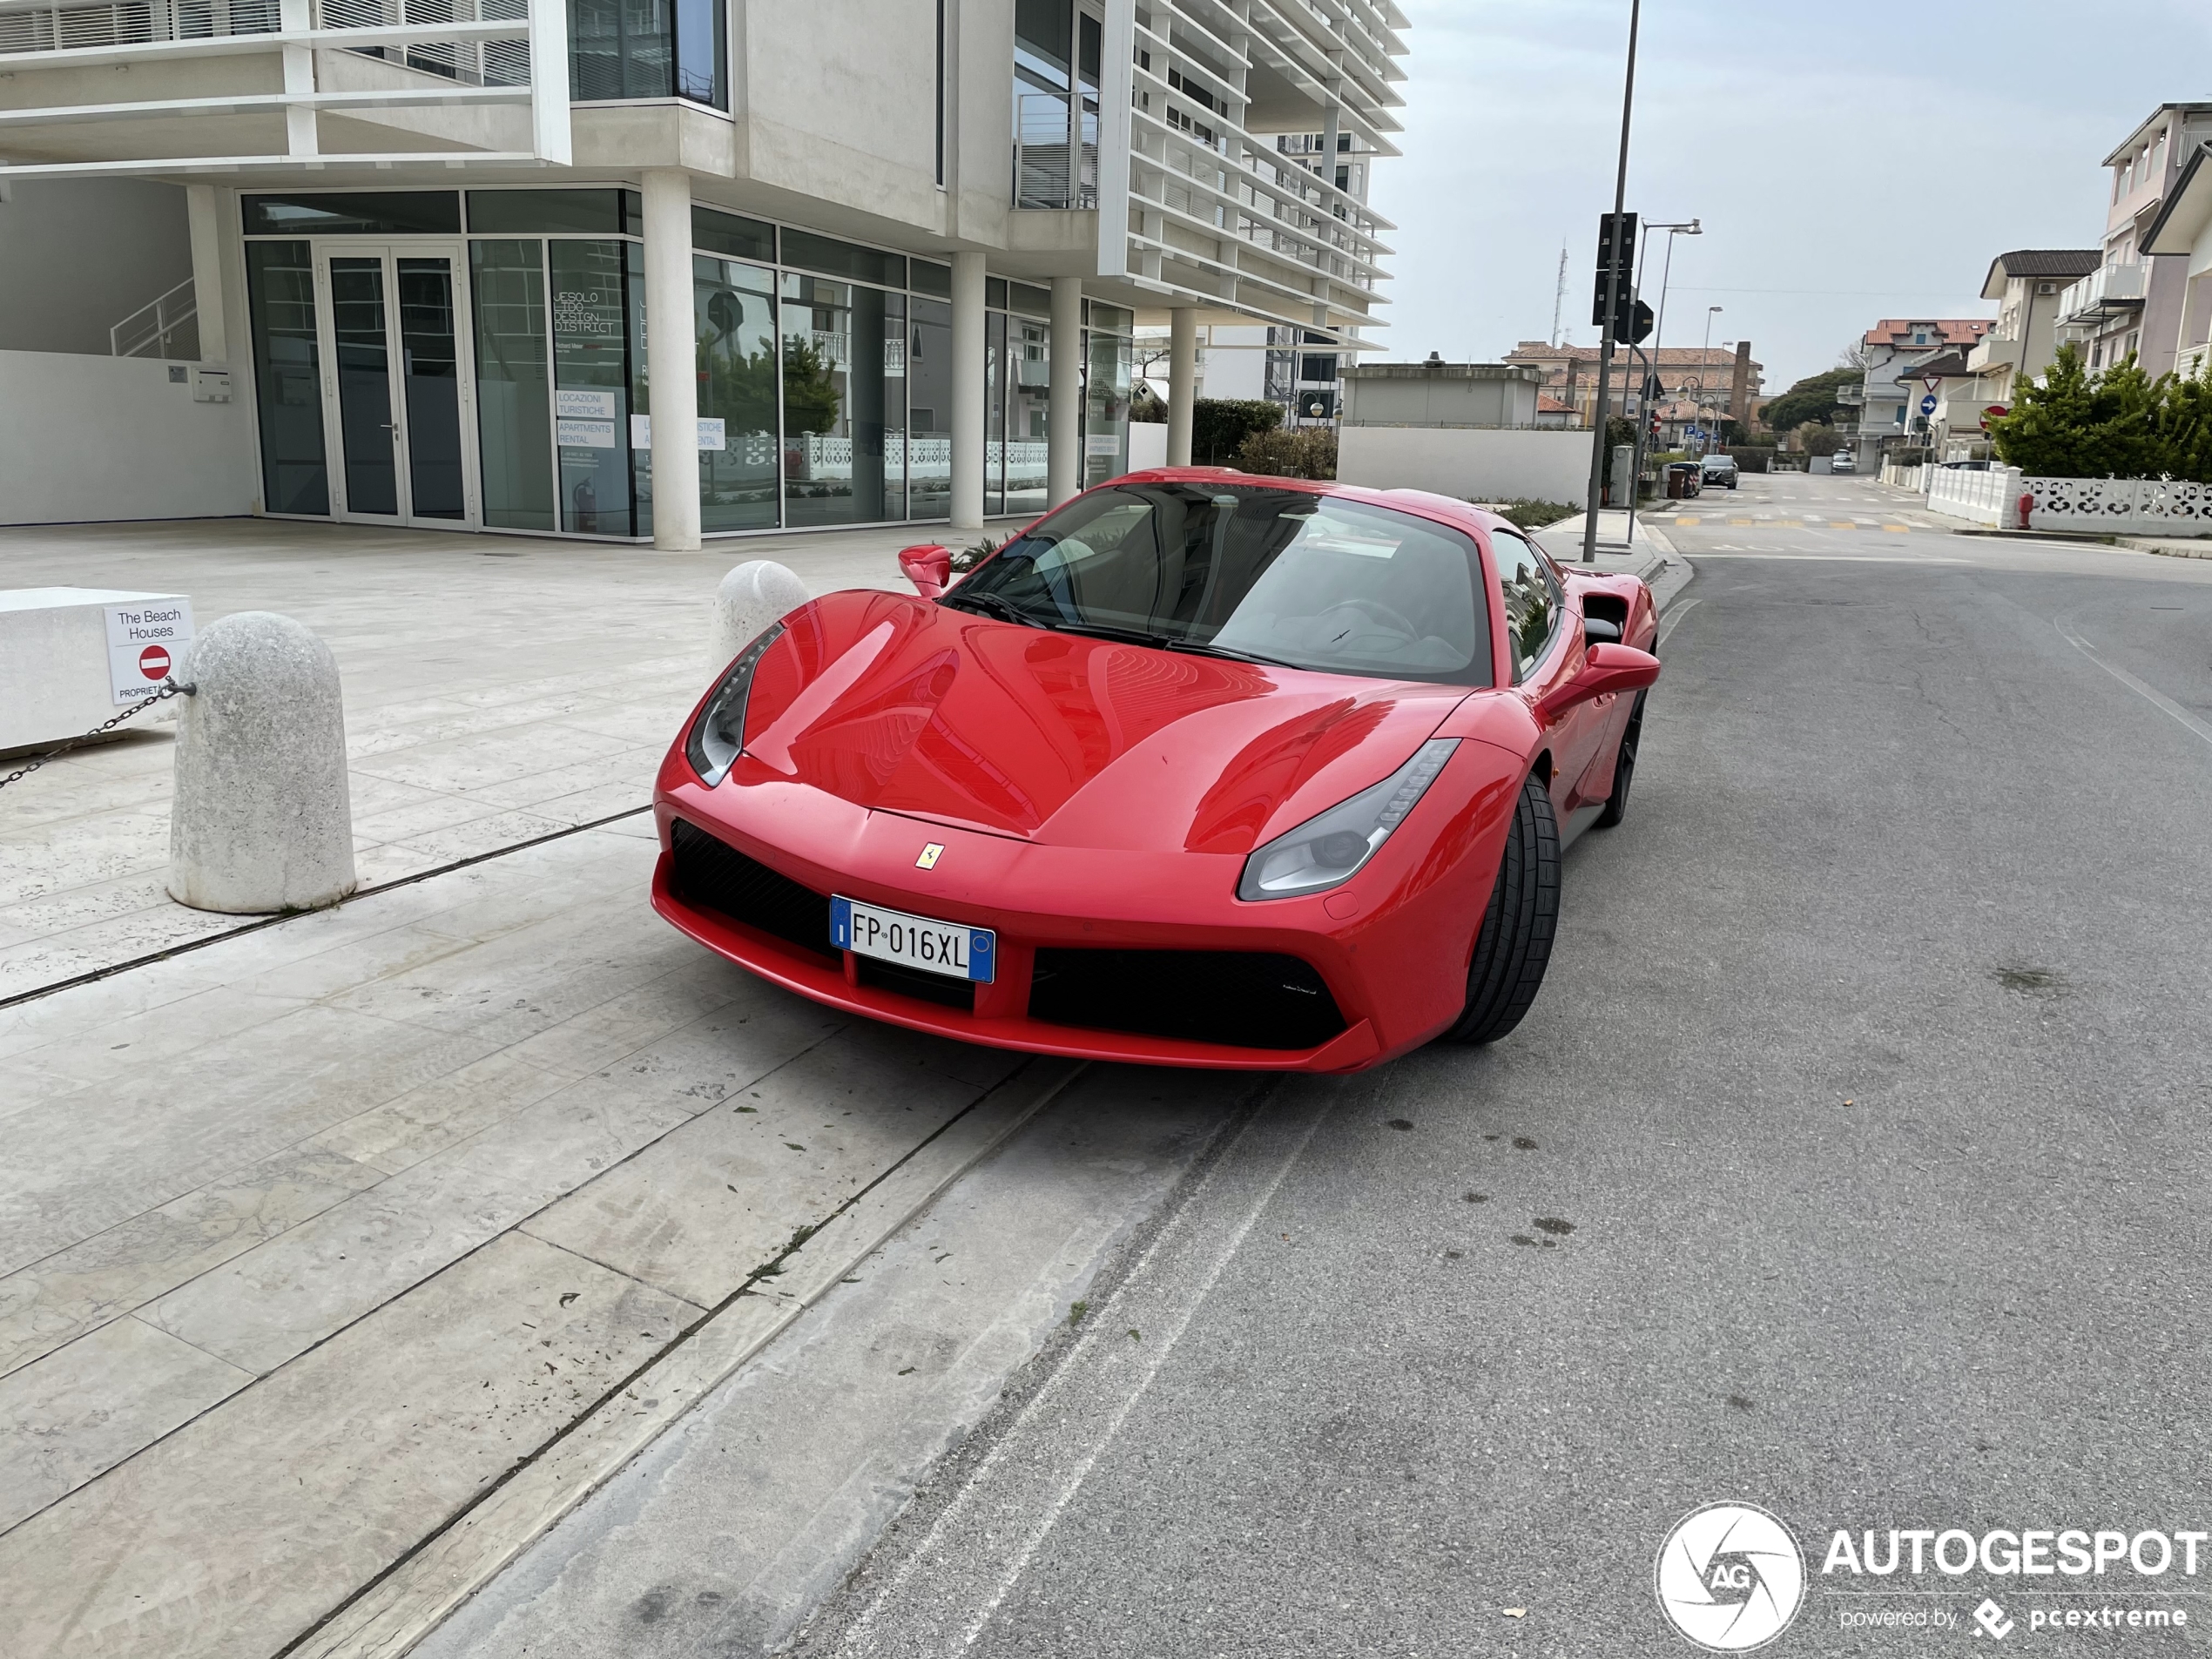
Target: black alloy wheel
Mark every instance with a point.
(1515, 944)
(1624, 768)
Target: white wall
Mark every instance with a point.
(1148, 444)
(1469, 462)
(79, 255)
(90, 438)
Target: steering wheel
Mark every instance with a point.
(1383, 614)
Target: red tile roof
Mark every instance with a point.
(1942, 331)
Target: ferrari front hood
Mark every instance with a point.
(904, 706)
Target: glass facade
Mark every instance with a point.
(513, 384)
(825, 391)
(288, 377)
(733, 310)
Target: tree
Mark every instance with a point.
(1812, 399)
(811, 399)
(2120, 424)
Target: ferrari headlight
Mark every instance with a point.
(1331, 848)
(718, 736)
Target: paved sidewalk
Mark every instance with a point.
(389, 1230)
(497, 689)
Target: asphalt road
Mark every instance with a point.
(1852, 1163)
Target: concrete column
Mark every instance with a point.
(752, 597)
(1182, 382)
(1064, 453)
(262, 820)
(969, 430)
(671, 358)
(207, 272)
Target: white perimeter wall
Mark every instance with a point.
(1148, 444)
(89, 438)
(1471, 462)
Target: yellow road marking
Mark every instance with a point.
(1743, 521)
(1841, 524)
(1900, 530)
(1689, 521)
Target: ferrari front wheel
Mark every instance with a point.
(1515, 943)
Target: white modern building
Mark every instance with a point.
(394, 261)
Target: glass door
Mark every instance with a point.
(397, 393)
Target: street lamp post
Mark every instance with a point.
(1652, 362)
(1705, 364)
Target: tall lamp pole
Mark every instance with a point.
(1620, 256)
(1704, 364)
(1651, 362)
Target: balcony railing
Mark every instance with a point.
(2108, 289)
(442, 54)
(1044, 141)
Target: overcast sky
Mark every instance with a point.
(1849, 161)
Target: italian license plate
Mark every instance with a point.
(913, 942)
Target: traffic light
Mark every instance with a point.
(1612, 249)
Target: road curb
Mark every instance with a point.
(460, 1555)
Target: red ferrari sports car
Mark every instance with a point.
(1202, 769)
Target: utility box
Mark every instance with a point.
(70, 657)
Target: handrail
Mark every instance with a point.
(166, 323)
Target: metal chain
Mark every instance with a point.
(169, 689)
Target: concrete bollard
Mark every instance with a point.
(262, 820)
(754, 595)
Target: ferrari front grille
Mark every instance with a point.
(713, 876)
(1245, 999)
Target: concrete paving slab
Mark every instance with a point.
(694, 1211)
(77, 1290)
(285, 1296)
(445, 657)
(215, 1542)
(83, 1409)
(725, 1532)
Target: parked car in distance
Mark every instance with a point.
(1681, 479)
(1717, 469)
(1841, 462)
(1966, 466)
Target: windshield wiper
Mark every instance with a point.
(992, 604)
(1198, 649)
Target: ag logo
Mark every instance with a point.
(1730, 1577)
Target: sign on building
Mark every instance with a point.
(145, 643)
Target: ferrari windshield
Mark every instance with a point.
(1250, 571)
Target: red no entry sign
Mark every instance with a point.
(153, 663)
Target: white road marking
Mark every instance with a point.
(1675, 613)
(2150, 694)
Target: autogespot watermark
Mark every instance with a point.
(1730, 1577)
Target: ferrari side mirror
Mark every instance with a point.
(1606, 668)
(929, 567)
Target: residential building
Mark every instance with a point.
(2183, 232)
(2132, 302)
(1721, 381)
(1883, 411)
(419, 248)
(2026, 286)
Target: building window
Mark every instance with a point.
(649, 49)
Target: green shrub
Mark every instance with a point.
(2118, 424)
(1535, 515)
(1220, 425)
(1298, 452)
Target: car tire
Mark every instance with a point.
(1514, 946)
(1624, 767)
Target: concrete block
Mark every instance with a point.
(753, 595)
(55, 658)
(260, 820)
